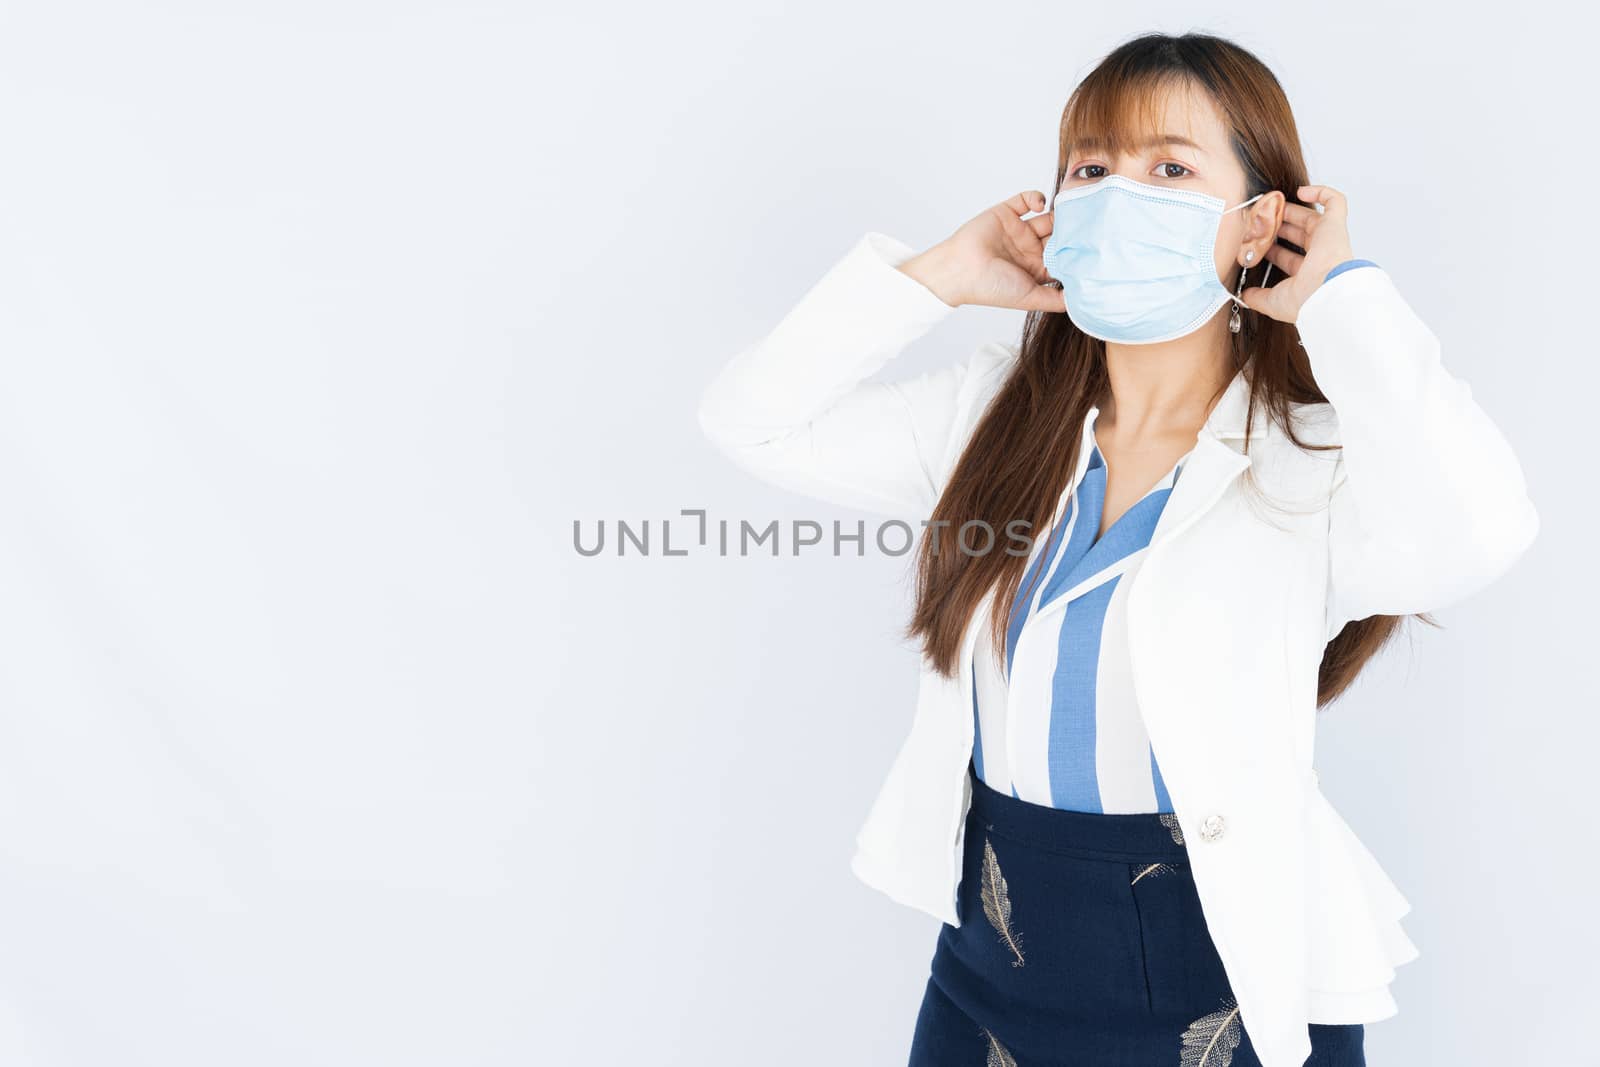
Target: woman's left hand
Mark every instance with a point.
(1326, 239)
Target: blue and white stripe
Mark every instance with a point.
(1061, 727)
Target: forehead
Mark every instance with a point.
(1173, 118)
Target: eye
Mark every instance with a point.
(1079, 172)
(1163, 170)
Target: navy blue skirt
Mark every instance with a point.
(1082, 942)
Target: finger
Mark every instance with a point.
(1330, 200)
(1285, 260)
(1305, 219)
(1045, 298)
(1026, 201)
(1034, 266)
(1026, 235)
(1257, 298)
(1025, 240)
(1294, 232)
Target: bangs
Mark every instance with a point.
(1118, 111)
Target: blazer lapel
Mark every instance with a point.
(1214, 463)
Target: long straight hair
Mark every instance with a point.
(1025, 447)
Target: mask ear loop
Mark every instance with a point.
(1245, 203)
(1265, 276)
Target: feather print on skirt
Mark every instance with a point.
(999, 1055)
(1151, 869)
(1117, 975)
(1210, 1040)
(997, 902)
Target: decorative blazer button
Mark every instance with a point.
(1211, 828)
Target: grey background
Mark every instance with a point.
(322, 323)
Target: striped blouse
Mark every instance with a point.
(1060, 726)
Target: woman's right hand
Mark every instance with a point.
(996, 260)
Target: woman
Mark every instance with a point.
(1247, 465)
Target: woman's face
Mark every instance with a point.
(1189, 149)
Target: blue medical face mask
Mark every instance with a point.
(1136, 261)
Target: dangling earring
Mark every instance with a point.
(1235, 321)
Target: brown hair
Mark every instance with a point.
(1024, 448)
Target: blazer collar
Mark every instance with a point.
(1227, 417)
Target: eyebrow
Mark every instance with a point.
(1159, 141)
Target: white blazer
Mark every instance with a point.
(1227, 619)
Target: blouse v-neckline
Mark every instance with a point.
(1076, 557)
(1097, 461)
(1087, 552)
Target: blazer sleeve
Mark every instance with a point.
(795, 409)
(1428, 500)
